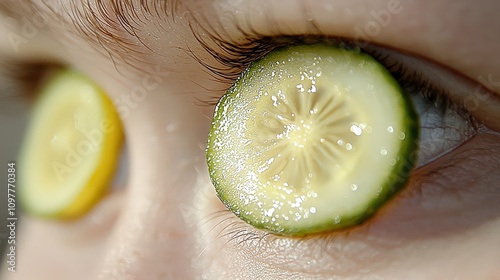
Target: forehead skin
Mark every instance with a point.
(161, 230)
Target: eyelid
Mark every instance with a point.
(474, 97)
(471, 96)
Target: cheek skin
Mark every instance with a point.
(437, 227)
(50, 249)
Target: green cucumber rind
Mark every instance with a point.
(400, 172)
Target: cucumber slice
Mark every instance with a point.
(311, 138)
(71, 148)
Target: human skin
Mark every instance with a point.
(166, 221)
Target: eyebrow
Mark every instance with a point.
(109, 25)
(112, 26)
(101, 21)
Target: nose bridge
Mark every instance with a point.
(166, 136)
(153, 238)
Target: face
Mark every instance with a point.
(163, 220)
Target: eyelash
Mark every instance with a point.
(234, 57)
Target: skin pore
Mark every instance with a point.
(166, 222)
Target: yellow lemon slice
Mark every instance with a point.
(71, 148)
